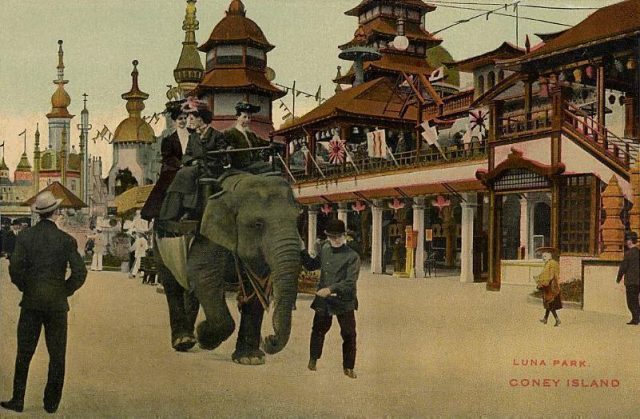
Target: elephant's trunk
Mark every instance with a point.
(285, 265)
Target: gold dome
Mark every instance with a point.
(60, 99)
(133, 129)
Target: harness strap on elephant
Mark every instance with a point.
(256, 287)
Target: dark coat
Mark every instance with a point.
(339, 270)
(630, 267)
(195, 160)
(171, 151)
(39, 265)
(8, 242)
(244, 160)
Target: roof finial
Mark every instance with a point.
(338, 76)
(60, 61)
(237, 8)
(84, 95)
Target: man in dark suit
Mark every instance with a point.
(38, 267)
(336, 296)
(9, 238)
(630, 269)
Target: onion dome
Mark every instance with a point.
(134, 128)
(60, 99)
(235, 27)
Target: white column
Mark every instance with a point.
(466, 254)
(311, 230)
(418, 225)
(524, 225)
(376, 237)
(342, 213)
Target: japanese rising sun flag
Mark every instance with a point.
(337, 150)
(377, 144)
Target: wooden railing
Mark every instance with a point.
(429, 155)
(589, 130)
(517, 123)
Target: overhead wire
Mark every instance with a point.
(534, 6)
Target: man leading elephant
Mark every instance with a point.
(336, 296)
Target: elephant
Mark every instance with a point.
(247, 229)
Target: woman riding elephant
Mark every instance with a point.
(249, 230)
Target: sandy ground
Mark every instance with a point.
(426, 347)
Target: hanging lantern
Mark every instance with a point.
(618, 65)
(631, 64)
(621, 100)
(440, 203)
(612, 99)
(590, 71)
(577, 75)
(396, 204)
(326, 209)
(358, 206)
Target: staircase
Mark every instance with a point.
(596, 137)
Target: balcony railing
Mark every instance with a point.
(517, 123)
(428, 156)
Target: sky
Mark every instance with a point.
(102, 38)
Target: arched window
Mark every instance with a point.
(480, 87)
(500, 76)
(491, 80)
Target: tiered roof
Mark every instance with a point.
(505, 51)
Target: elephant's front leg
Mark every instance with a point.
(248, 345)
(207, 266)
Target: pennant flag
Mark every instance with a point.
(337, 150)
(298, 93)
(286, 116)
(318, 93)
(377, 144)
(430, 133)
(437, 74)
(23, 132)
(282, 105)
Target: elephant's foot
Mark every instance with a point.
(210, 338)
(184, 343)
(253, 357)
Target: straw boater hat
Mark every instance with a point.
(547, 249)
(334, 228)
(45, 202)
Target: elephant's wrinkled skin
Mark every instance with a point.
(253, 218)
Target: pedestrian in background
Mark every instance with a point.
(9, 239)
(549, 282)
(630, 270)
(139, 249)
(99, 247)
(38, 267)
(336, 296)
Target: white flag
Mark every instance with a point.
(377, 144)
(437, 74)
(430, 133)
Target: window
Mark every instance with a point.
(578, 214)
(500, 76)
(491, 80)
(480, 85)
(414, 15)
(229, 54)
(256, 57)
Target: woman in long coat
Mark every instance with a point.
(549, 282)
(171, 149)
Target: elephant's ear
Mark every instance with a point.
(219, 222)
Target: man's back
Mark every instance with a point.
(38, 267)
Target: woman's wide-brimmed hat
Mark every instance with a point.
(547, 249)
(334, 228)
(247, 107)
(45, 202)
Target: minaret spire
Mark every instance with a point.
(36, 162)
(135, 97)
(189, 70)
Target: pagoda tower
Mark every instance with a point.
(189, 70)
(133, 140)
(236, 68)
(381, 21)
(23, 175)
(59, 117)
